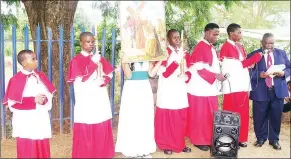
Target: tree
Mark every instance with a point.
(52, 14)
(195, 13)
(252, 14)
(109, 21)
(8, 18)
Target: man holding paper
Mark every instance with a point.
(269, 89)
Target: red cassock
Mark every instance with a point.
(203, 89)
(171, 111)
(30, 121)
(92, 136)
(236, 88)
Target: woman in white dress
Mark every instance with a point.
(135, 137)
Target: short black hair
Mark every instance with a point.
(232, 27)
(170, 32)
(210, 26)
(289, 82)
(85, 34)
(20, 55)
(267, 35)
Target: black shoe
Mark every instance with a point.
(243, 144)
(186, 150)
(259, 143)
(275, 145)
(202, 147)
(168, 152)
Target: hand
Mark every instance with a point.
(96, 57)
(39, 99)
(220, 77)
(279, 74)
(264, 75)
(184, 77)
(252, 66)
(287, 99)
(180, 56)
(261, 54)
(159, 63)
(106, 81)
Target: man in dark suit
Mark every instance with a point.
(287, 104)
(268, 92)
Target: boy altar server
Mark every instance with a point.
(236, 88)
(172, 103)
(203, 89)
(92, 136)
(29, 97)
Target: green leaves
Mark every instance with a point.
(194, 14)
(8, 18)
(253, 14)
(109, 12)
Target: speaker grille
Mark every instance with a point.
(225, 134)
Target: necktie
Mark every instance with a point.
(269, 63)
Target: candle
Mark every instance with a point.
(182, 51)
(182, 39)
(99, 71)
(96, 38)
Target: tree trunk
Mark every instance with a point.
(52, 14)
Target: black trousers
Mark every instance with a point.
(287, 107)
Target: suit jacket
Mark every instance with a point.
(259, 88)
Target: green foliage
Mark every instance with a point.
(250, 44)
(252, 14)
(108, 49)
(20, 23)
(9, 18)
(191, 16)
(109, 13)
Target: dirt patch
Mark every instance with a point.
(61, 146)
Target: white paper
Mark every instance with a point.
(275, 68)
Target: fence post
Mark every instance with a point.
(50, 58)
(93, 30)
(103, 42)
(83, 29)
(61, 75)
(14, 54)
(2, 80)
(26, 37)
(95, 33)
(38, 56)
(72, 96)
(113, 73)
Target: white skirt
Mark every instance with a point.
(31, 124)
(135, 135)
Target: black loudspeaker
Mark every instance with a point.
(225, 134)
